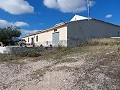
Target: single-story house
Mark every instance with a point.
(74, 32)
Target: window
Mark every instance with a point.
(28, 39)
(55, 30)
(47, 42)
(36, 38)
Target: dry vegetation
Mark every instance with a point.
(94, 65)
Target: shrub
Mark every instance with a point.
(16, 55)
(62, 48)
(33, 53)
(7, 57)
(59, 47)
(101, 42)
(27, 53)
(118, 49)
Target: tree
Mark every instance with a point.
(7, 34)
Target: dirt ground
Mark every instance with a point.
(80, 73)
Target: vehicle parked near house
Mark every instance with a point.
(22, 42)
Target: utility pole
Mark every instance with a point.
(88, 6)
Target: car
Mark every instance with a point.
(22, 42)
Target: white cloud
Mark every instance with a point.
(109, 16)
(20, 24)
(16, 7)
(26, 32)
(67, 6)
(4, 23)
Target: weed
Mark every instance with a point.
(102, 42)
(33, 53)
(8, 57)
(68, 60)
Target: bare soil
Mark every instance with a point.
(81, 71)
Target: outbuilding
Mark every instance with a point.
(79, 29)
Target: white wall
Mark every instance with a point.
(30, 37)
(45, 38)
(63, 36)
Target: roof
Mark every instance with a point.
(80, 18)
(74, 19)
(105, 22)
(57, 26)
(77, 17)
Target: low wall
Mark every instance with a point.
(24, 49)
(4, 50)
(12, 49)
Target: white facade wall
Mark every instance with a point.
(77, 32)
(63, 36)
(30, 37)
(45, 38)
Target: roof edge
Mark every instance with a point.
(49, 29)
(105, 22)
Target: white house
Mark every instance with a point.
(74, 32)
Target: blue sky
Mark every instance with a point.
(34, 15)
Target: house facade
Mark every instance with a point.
(52, 36)
(74, 32)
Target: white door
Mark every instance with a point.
(55, 39)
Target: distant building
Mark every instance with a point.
(74, 32)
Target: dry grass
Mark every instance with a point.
(92, 47)
(102, 42)
(101, 64)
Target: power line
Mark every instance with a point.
(88, 7)
(67, 6)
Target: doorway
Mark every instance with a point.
(55, 39)
(32, 41)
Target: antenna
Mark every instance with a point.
(88, 6)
